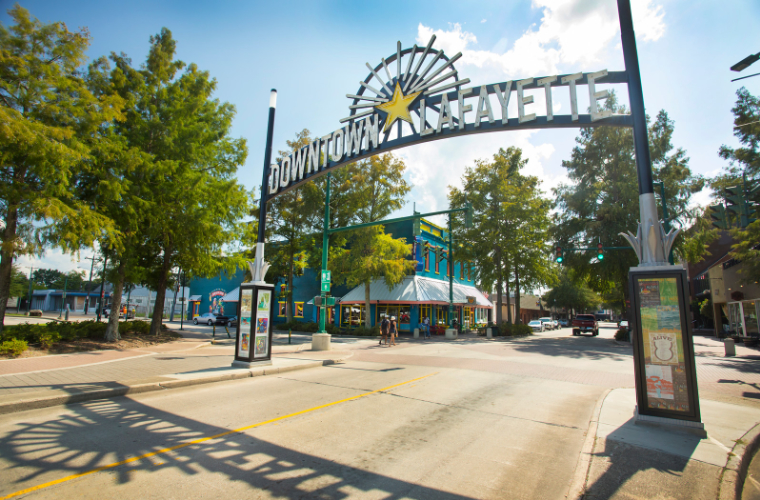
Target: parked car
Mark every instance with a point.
(211, 319)
(585, 323)
(536, 326)
(232, 321)
(623, 324)
(564, 322)
(549, 323)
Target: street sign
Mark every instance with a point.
(326, 276)
(325, 286)
(320, 301)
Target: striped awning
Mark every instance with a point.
(417, 290)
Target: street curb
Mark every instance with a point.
(734, 474)
(577, 488)
(47, 402)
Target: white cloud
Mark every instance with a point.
(572, 34)
(484, 20)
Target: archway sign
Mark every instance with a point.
(416, 95)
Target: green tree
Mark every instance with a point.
(49, 120)
(510, 222)
(602, 199)
(744, 164)
(572, 294)
(377, 189)
(180, 200)
(19, 283)
(47, 278)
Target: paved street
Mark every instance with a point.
(471, 418)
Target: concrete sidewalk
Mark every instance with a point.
(622, 459)
(27, 384)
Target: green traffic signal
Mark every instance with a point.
(718, 216)
(559, 257)
(599, 251)
(468, 216)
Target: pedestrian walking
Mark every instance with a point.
(384, 327)
(426, 326)
(392, 330)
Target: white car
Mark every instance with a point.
(537, 326)
(623, 324)
(549, 323)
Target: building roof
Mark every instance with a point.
(416, 289)
(233, 296)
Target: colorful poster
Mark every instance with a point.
(246, 306)
(662, 337)
(261, 346)
(263, 324)
(659, 382)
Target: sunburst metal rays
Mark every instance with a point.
(409, 80)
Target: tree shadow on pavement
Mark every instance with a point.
(94, 434)
(575, 347)
(624, 470)
(739, 364)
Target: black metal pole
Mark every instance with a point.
(264, 179)
(636, 97)
(184, 304)
(102, 282)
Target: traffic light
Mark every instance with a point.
(416, 229)
(753, 201)
(426, 250)
(736, 203)
(468, 216)
(559, 257)
(718, 216)
(599, 251)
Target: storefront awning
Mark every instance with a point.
(416, 290)
(194, 298)
(233, 296)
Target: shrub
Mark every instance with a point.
(623, 335)
(13, 347)
(509, 330)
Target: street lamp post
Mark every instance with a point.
(89, 283)
(29, 303)
(102, 282)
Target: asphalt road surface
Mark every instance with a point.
(432, 419)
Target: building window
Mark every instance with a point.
(437, 266)
(404, 314)
(387, 311)
(282, 309)
(352, 316)
(427, 259)
(425, 313)
(442, 315)
(299, 310)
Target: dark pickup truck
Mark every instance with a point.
(585, 323)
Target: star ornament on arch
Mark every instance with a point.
(397, 107)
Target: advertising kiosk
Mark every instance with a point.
(253, 338)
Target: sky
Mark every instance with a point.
(314, 53)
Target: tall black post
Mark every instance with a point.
(636, 97)
(103, 282)
(263, 198)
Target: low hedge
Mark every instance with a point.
(13, 348)
(623, 335)
(47, 334)
(511, 330)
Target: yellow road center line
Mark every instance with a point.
(201, 440)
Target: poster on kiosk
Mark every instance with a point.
(666, 379)
(253, 339)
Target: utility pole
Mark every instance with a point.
(89, 283)
(63, 298)
(451, 274)
(29, 303)
(325, 245)
(184, 305)
(103, 282)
